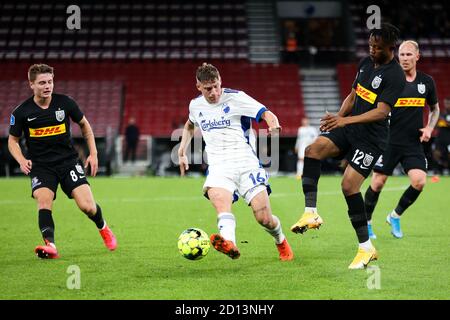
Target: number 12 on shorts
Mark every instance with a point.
(357, 157)
(259, 179)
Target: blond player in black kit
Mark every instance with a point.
(407, 133)
(51, 160)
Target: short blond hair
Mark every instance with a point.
(412, 42)
(36, 69)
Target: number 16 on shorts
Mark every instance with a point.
(260, 177)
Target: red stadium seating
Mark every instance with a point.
(158, 93)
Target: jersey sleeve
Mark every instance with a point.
(74, 110)
(432, 93)
(191, 116)
(394, 83)
(16, 123)
(249, 107)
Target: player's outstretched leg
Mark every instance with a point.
(85, 201)
(418, 178)
(259, 201)
(225, 246)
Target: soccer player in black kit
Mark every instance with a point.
(359, 132)
(44, 119)
(406, 134)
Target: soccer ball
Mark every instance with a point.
(193, 243)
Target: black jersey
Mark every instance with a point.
(372, 85)
(407, 114)
(47, 131)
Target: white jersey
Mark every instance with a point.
(305, 136)
(227, 127)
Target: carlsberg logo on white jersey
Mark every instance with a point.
(208, 125)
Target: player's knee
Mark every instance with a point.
(45, 204)
(88, 207)
(378, 184)
(263, 216)
(308, 151)
(418, 184)
(348, 188)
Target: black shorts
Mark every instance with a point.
(70, 174)
(360, 154)
(410, 157)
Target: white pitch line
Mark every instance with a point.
(199, 197)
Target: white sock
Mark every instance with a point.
(227, 226)
(311, 209)
(277, 232)
(367, 246)
(394, 214)
(369, 222)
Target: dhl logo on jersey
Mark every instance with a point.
(366, 94)
(48, 131)
(410, 102)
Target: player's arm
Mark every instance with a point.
(16, 152)
(433, 118)
(335, 121)
(188, 133)
(347, 104)
(88, 135)
(272, 121)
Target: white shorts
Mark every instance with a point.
(245, 182)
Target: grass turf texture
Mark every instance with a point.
(148, 214)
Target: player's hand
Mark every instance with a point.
(25, 166)
(274, 131)
(93, 162)
(332, 121)
(426, 134)
(184, 165)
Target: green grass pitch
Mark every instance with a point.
(148, 214)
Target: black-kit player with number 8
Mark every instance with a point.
(51, 159)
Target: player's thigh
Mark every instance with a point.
(44, 184)
(252, 181)
(352, 181)
(220, 198)
(362, 157)
(323, 147)
(84, 198)
(387, 162)
(71, 177)
(415, 160)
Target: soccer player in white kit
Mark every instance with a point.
(306, 135)
(224, 117)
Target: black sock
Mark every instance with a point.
(46, 225)
(370, 202)
(357, 214)
(407, 199)
(98, 218)
(310, 179)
